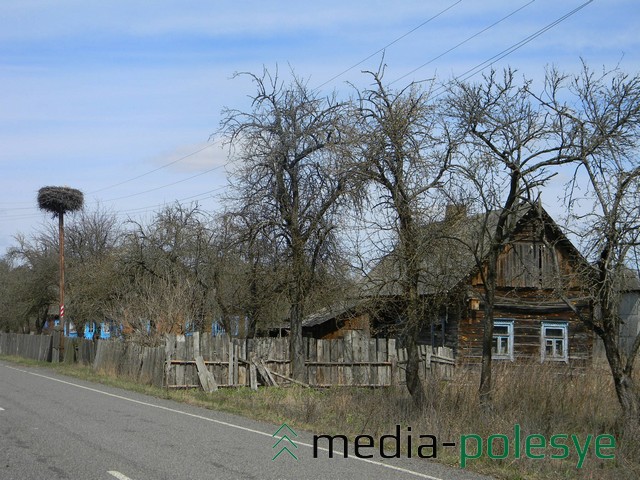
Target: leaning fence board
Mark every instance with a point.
(207, 380)
(264, 372)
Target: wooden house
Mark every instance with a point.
(540, 279)
(538, 275)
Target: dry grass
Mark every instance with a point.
(540, 399)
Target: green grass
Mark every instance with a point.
(541, 400)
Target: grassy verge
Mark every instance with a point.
(540, 400)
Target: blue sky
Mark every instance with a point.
(100, 96)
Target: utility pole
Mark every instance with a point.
(58, 200)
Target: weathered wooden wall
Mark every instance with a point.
(527, 340)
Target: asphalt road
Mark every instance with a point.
(56, 427)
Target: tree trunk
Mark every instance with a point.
(296, 345)
(414, 382)
(484, 391)
(622, 380)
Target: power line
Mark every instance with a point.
(150, 208)
(470, 73)
(152, 171)
(123, 182)
(463, 42)
(499, 56)
(389, 44)
(464, 76)
(167, 185)
(320, 86)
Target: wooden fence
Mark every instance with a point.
(47, 348)
(36, 347)
(136, 362)
(352, 361)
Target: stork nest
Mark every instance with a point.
(59, 200)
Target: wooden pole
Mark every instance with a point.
(61, 250)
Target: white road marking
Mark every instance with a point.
(118, 475)
(1, 409)
(219, 422)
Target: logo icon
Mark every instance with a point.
(284, 434)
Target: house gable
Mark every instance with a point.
(535, 321)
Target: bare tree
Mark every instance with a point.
(404, 155)
(29, 282)
(254, 269)
(604, 197)
(513, 141)
(93, 240)
(288, 148)
(167, 267)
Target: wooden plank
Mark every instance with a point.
(348, 358)
(242, 368)
(312, 356)
(364, 354)
(382, 356)
(55, 347)
(207, 380)
(320, 355)
(181, 353)
(393, 359)
(264, 372)
(333, 357)
(231, 361)
(289, 379)
(253, 372)
(169, 354)
(358, 357)
(373, 357)
(272, 380)
(235, 363)
(339, 357)
(196, 345)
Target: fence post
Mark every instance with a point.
(253, 374)
(231, 363)
(393, 358)
(169, 349)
